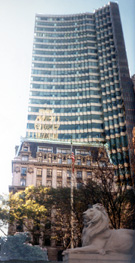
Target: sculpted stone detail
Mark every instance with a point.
(97, 237)
(17, 169)
(30, 170)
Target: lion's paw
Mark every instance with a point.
(102, 251)
(67, 251)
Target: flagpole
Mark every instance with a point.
(71, 196)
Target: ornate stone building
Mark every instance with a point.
(49, 164)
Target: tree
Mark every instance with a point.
(60, 214)
(4, 209)
(27, 212)
(84, 197)
(114, 193)
(46, 212)
(129, 219)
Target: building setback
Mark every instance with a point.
(80, 84)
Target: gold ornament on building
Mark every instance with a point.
(46, 125)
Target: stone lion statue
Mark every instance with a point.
(97, 237)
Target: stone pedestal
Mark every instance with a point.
(97, 258)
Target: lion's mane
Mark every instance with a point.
(96, 221)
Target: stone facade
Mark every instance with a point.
(49, 164)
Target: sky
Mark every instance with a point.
(17, 18)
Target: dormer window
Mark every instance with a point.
(63, 151)
(59, 159)
(45, 149)
(69, 161)
(40, 157)
(25, 149)
(49, 158)
(102, 164)
(88, 162)
(78, 161)
(25, 157)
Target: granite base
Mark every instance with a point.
(96, 258)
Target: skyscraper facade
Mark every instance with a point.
(80, 84)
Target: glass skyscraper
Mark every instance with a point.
(80, 84)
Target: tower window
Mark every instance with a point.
(25, 149)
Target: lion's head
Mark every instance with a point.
(95, 221)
